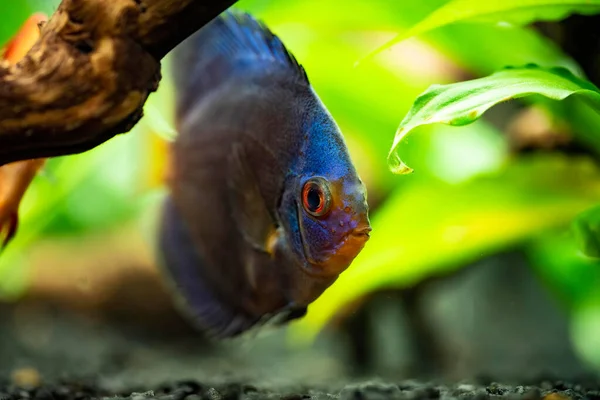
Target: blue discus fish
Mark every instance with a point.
(265, 208)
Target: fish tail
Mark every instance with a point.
(194, 297)
(231, 43)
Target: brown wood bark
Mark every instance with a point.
(89, 74)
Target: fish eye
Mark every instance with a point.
(316, 197)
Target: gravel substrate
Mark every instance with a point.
(457, 336)
(191, 390)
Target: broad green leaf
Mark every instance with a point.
(587, 232)
(434, 228)
(464, 102)
(517, 12)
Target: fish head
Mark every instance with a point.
(326, 208)
(333, 222)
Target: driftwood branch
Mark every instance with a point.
(88, 76)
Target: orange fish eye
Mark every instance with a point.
(316, 197)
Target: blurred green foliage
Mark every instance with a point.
(469, 196)
(516, 12)
(587, 232)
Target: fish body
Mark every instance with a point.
(265, 208)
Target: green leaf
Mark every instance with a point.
(513, 12)
(435, 228)
(464, 102)
(587, 232)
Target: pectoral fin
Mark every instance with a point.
(248, 206)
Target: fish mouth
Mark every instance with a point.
(357, 234)
(343, 253)
(363, 230)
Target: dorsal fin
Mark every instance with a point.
(232, 43)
